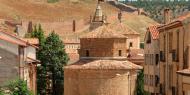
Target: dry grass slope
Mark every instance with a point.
(41, 10)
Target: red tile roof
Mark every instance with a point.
(104, 31)
(12, 41)
(154, 32)
(103, 65)
(18, 41)
(123, 29)
(182, 17)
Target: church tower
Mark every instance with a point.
(98, 18)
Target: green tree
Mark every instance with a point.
(1, 92)
(39, 33)
(140, 84)
(53, 58)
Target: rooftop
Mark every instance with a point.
(123, 28)
(184, 72)
(14, 39)
(104, 31)
(103, 64)
(154, 32)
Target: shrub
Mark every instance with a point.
(18, 87)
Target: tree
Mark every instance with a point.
(53, 58)
(39, 33)
(140, 84)
(41, 72)
(18, 87)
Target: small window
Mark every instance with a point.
(131, 44)
(162, 56)
(170, 41)
(87, 53)
(157, 79)
(173, 91)
(157, 59)
(120, 52)
(149, 38)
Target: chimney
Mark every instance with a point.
(120, 16)
(74, 25)
(167, 15)
(20, 31)
(30, 27)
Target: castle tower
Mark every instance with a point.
(102, 68)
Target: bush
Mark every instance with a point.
(18, 87)
(52, 1)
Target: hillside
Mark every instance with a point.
(58, 16)
(41, 10)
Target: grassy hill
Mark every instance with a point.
(66, 10)
(41, 10)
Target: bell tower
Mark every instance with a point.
(98, 19)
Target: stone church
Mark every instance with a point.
(102, 68)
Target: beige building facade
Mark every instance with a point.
(174, 40)
(151, 66)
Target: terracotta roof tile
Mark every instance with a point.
(154, 32)
(137, 54)
(71, 41)
(103, 64)
(182, 17)
(33, 41)
(12, 41)
(18, 41)
(104, 31)
(124, 29)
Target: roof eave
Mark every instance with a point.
(171, 25)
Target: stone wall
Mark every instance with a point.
(99, 82)
(9, 64)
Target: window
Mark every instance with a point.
(164, 43)
(87, 53)
(177, 51)
(157, 59)
(174, 56)
(130, 44)
(145, 60)
(120, 52)
(170, 41)
(156, 80)
(173, 91)
(149, 38)
(162, 56)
